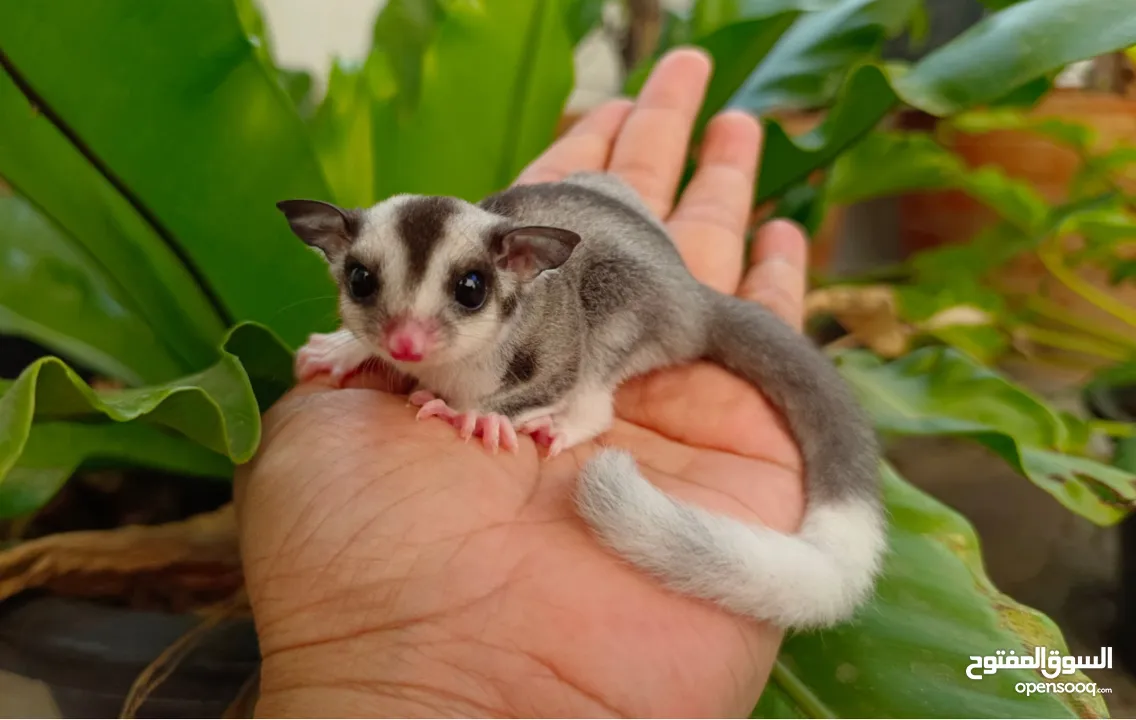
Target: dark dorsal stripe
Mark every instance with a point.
(421, 222)
(503, 203)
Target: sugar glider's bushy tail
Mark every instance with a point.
(815, 578)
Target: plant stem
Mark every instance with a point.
(1113, 428)
(1050, 258)
(800, 693)
(1068, 341)
(1052, 311)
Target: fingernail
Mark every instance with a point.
(776, 259)
(691, 50)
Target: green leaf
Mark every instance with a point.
(173, 102)
(1107, 388)
(709, 16)
(677, 29)
(939, 391)
(737, 35)
(806, 67)
(934, 608)
(888, 164)
(93, 225)
(740, 35)
(404, 31)
(738, 47)
(266, 360)
(1012, 47)
(984, 343)
(297, 84)
(341, 133)
(979, 67)
(504, 68)
(865, 99)
(55, 450)
(1028, 95)
(217, 410)
(1077, 136)
(999, 4)
(1123, 271)
(53, 292)
(932, 294)
(804, 204)
(1105, 230)
(1110, 170)
(918, 27)
(252, 23)
(583, 16)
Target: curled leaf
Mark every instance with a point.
(940, 391)
(51, 421)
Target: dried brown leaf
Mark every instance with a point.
(869, 313)
(184, 564)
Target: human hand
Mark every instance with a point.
(395, 571)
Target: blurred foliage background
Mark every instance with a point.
(143, 146)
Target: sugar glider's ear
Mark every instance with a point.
(529, 251)
(324, 226)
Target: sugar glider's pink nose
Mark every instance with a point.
(407, 339)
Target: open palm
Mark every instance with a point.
(394, 570)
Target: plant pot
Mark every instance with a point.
(88, 655)
(933, 219)
(936, 218)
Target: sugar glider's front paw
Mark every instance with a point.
(339, 355)
(585, 416)
(495, 431)
(546, 432)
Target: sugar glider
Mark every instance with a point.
(524, 312)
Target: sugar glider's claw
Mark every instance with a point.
(498, 432)
(435, 408)
(495, 431)
(509, 435)
(468, 425)
(544, 432)
(491, 432)
(556, 444)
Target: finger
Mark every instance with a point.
(710, 220)
(651, 149)
(586, 146)
(776, 277)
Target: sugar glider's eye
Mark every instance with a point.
(361, 282)
(470, 290)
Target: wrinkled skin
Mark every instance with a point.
(396, 571)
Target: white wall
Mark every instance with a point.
(308, 34)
